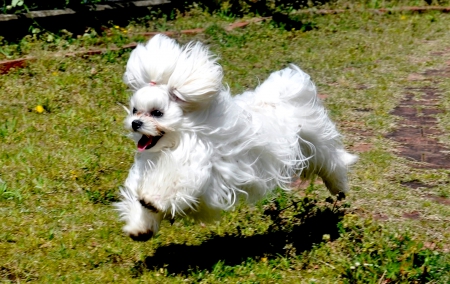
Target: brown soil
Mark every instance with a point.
(414, 215)
(415, 184)
(439, 199)
(418, 132)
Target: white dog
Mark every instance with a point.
(200, 150)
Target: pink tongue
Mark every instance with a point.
(144, 142)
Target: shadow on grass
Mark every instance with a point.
(241, 7)
(122, 13)
(283, 238)
(288, 22)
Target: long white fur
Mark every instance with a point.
(217, 148)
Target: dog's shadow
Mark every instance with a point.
(312, 224)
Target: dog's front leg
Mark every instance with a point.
(141, 223)
(177, 183)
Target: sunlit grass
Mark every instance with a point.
(64, 153)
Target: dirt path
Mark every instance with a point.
(418, 131)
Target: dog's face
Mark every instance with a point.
(154, 118)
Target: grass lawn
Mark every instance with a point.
(64, 154)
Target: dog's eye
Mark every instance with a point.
(156, 113)
(134, 110)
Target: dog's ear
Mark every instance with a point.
(197, 77)
(152, 63)
(176, 97)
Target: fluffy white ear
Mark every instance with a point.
(152, 63)
(197, 77)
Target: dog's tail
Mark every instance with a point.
(347, 158)
(290, 85)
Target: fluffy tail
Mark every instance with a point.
(290, 85)
(319, 140)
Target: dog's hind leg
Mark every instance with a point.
(320, 142)
(327, 158)
(335, 178)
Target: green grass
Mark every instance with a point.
(61, 169)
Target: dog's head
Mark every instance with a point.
(169, 82)
(154, 118)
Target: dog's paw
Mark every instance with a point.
(148, 205)
(141, 236)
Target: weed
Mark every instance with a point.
(399, 258)
(8, 127)
(8, 194)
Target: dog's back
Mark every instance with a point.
(286, 108)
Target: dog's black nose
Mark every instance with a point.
(136, 124)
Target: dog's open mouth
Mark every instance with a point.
(147, 142)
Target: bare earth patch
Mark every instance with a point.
(418, 133)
